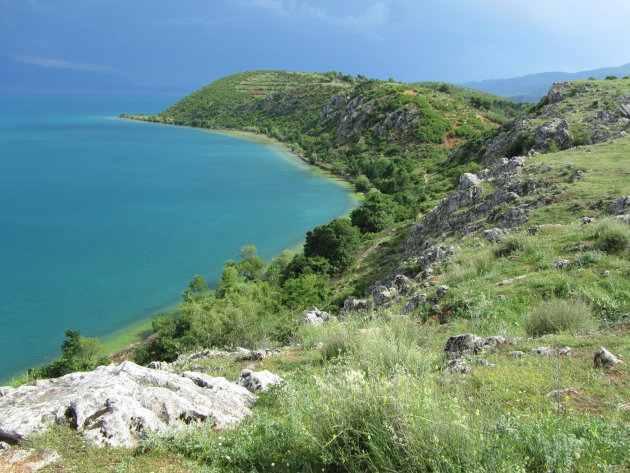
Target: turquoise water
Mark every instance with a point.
(104, 221)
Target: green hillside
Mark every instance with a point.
(467, 297)
(396, 135)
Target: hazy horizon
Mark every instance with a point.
(169, 44)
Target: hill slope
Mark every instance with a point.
(467, 339)
(396, 135)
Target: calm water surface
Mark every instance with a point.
(103, 221)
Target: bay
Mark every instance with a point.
(105, 221)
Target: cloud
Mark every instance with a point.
(365, 21)
(61, 64)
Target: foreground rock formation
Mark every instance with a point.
(113, 405)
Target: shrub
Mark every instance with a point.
(511, 245)
(588, 258)
(337, 241)
(362, 184)
(483, 264)
(612, 237)
(375, 213)
(557, 315)
(338, 344)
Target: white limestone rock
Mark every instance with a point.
(259, 380)
(113, 405)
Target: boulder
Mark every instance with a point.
(467, 180)
(576, 176)
(602, 358)
(384, 296)
(439, 293)
(243, 354)
(544, 351)
(314, 316)
(457, 366)
(160, 365)
(494, 234)
(413, 302)
(402, 284)
(256, 381)
(620, 205)
(469, 343)
(561, 263)
(624, 110)
(221, 386)
(352, 305)
(113, 405)
(4, 390)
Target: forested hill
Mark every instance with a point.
(396, 135)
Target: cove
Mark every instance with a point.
(105, 221)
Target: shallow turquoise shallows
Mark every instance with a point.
(104, 221)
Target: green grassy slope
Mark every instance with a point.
(371, 392)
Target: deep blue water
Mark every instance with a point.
(103, 221)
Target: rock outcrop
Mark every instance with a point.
(256, 381)
(604, 359)
(113, 405)
(314, 316)
(469, 343)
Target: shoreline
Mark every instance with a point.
(131, 335)
(342, 178)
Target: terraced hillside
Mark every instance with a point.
(396, 135)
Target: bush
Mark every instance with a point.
(362, 184)
(612, 237)
(511, 245)
(337, 241)
(557, 315)
(588, 258)
(375, 213)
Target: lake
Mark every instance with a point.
(104, 221)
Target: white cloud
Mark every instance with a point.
(62, 64)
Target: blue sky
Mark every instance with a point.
(189, 43)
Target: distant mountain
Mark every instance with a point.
(532, 87)
(21, 77)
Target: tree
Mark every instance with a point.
(277, 266)
(301, 264)
(375, 214)
(305, 290)
(77, 354)
(337, 241)
(250, 266)
(196, 287)
(362, 183)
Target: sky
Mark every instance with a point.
(189, 43)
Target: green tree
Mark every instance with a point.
(362, 183)
(196, 287)
(277, 266)
(337, 241)
(375, 214)
(301, 264)
(305, 290)
(77, 354)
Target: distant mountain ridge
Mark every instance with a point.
(22, 77)
(532, 87)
